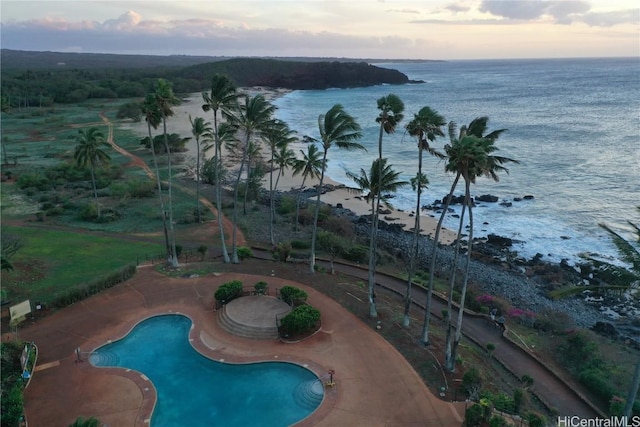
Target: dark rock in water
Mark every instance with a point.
(604, 328)
(517, 199)
(506, 204)
(565, 237)
(528, 197)
(455, 200)
(456, 216)
(494, 239)
(487, 198)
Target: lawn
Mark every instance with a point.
(51, 261)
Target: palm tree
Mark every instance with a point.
(166, 99)
(339, 128)
(471, 156)
(201, 130)
(391, 108)
(88, 153)
(426, 126)
(252, 117)
(222, 97)
(310, 165)
(477, 127)
(278, 138)
(153, 118)
(378, 186)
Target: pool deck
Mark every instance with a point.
(375, 385)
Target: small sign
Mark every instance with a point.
(20, 310)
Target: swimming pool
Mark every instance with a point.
(197, 391)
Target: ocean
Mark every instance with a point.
(574, 124)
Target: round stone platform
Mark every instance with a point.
(253, 316)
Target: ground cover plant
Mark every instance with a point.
(52, 261)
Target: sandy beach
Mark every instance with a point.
(349, 198)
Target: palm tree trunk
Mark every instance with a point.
(414, 253)
(218, 166)
(234, 247)
(633, 392)
(246, 186)
(173, 258)
(95, 190)
(373, 313)
(271, 203)
(449, 361)
(432, 267)
(164, 216)
(312, 257)
(198, 181)
(295, 224)
(463, 292)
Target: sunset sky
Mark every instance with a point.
(425, 29)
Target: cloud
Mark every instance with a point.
(609, 19)
(458, 8)
(528, 10)
(130, 33)
(125, 22)
(413, 11)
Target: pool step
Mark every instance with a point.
(309, 394)
(246, 331)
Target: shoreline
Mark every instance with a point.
(349, 198)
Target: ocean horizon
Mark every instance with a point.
(572, 123)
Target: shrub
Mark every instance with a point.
(261, 287)
(244, 252)
(88, 212)
(524, 317)
(472, 382)
(527, 380)
(474, 416)
(357, 253)
(228, 291)
(287, 205)
(202, 250)
(553, 321)
(535, 420)
(340, 225)
(300, 320)
(84, 291)
(282, 252)
(293, 296)
(497, 421)
(300, 244)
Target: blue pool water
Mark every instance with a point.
(196, 391)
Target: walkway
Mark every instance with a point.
(549, 388)
(375, 384)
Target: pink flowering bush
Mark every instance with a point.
(524, 317)
(485, 299)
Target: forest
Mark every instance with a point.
(40, 79)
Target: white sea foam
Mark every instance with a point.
(571, 123)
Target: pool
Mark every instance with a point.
(197, 391)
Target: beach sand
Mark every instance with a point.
(349, 198)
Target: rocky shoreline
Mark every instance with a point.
(501, 272)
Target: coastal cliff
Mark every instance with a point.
(296, 75)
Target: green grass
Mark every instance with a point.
(53, 261)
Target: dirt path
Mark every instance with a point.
(138, 162)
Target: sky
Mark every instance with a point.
(389, 29)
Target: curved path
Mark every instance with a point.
(138, 162)
(548, 387)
